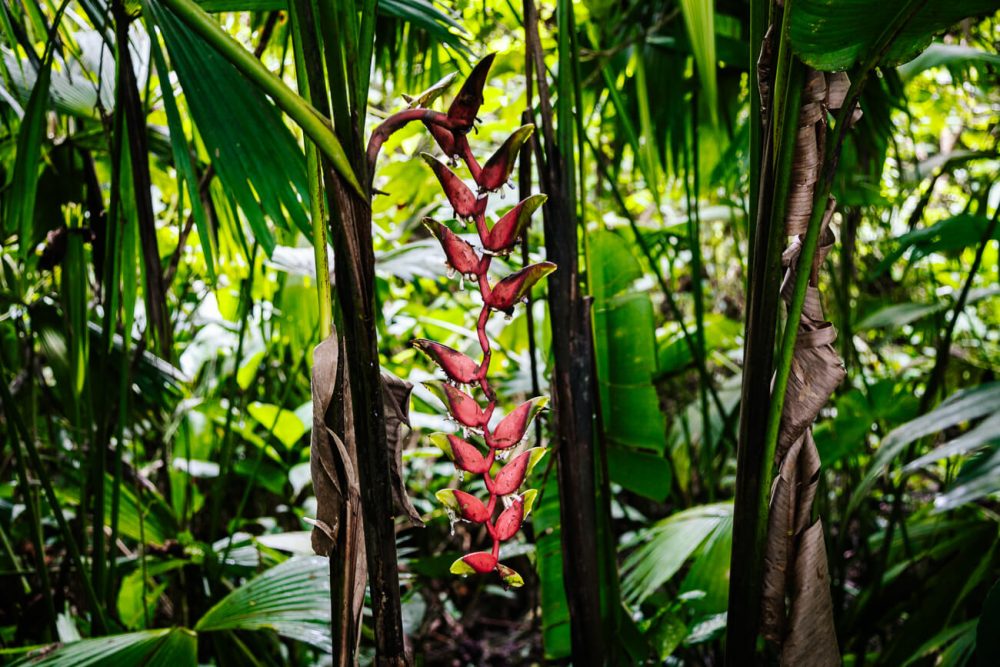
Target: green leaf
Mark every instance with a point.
(283, 424)
(666, 546)
(963, 406)
(699, 18)
(549, 562)
(20, 198)
(253, 152)
(292, 598)
(834, 35)
(646, 474)
(171, 647)
(182, 154)
(625, 346)
(947, 55)
(897, 315)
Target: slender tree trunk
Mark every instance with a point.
(572, 382)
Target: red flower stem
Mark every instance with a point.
(396, 122)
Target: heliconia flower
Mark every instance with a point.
(467, 456)
(462, 407)
(460, 254)
(511, 428)
(512, 475)
(465, 107)
(516, 286)
(509, 229)
(456, 365)
(509, 520)
(499, 167)
(480, 561)
(461, 198)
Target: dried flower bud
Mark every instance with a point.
(465, 107)
(516, 286)
(509, 229)
(499, 167)
(461, 198)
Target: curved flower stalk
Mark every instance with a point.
(506, 506)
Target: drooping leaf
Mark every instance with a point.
(292, 599)
(169, 647)
(253, 152)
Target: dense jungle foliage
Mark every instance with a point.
(173, 172)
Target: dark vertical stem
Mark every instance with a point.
(753, 464)
(572, 383)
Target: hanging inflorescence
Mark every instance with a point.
(505, 508)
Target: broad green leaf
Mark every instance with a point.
(834, 35)
(20, 198)
(292, 598)
(549, 562)
(285, 425)
(986, 432)
(625, 346)
(639, 472)
(709, 572)
(170, 647)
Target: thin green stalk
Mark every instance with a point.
(226, 454)
(304, 114)
(698, 293)
(22, 437)
(317, 200)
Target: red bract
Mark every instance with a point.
(511, 476)
(444, 137)
(511, 428)
(450, 131)
(509, 520)
(481, 561)
(509, 229)
(516, 286)
(463, 407)
(499, 167)
(471, 508)
(467, 457)
(465, 107)
(460, 254)
(461, 198)
(457, 366)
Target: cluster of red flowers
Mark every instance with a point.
(450, 130)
